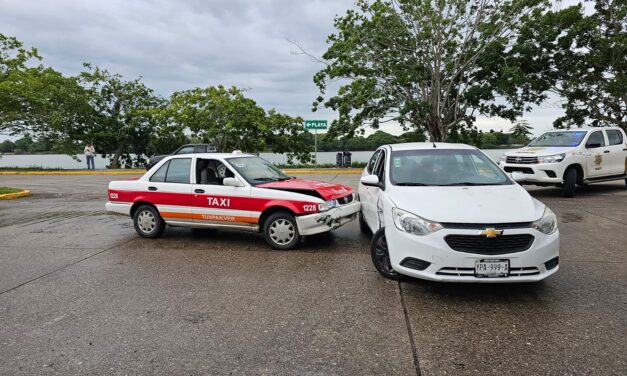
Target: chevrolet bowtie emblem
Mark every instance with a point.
(491, 232)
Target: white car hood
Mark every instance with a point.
(478, 204)
(538, 151)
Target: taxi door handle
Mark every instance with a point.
(606, 151)
(152, 188)
(199, 190)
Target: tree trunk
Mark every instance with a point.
(115, 161)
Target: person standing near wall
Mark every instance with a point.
(90, 154)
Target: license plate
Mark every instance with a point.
(491, 268)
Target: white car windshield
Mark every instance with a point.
(444, 167)
(559, 139)
(257, 170)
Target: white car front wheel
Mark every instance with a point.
(381, 256)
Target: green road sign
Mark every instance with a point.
(315, 124)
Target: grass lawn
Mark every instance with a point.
(4, 190)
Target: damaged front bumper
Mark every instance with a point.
(328, 220)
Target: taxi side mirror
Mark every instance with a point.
(232, 182)
(370, 181)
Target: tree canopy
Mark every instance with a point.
(428, 64)
(229, 120)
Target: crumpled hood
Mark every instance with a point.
(479, 204)
(328, 191)
(537, 151)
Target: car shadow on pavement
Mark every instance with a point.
(582, 190)
(485, 292)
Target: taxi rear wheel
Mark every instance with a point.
(148, 222)
(381, 256)
(281, 231)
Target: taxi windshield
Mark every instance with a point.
(559, 139)
(445, 167)
(257, 170)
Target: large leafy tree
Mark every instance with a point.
(229, 120)
(592, 69)
(35, 99)
(430, 64)
(125, 120)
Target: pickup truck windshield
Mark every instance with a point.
(559, 139)
(444, 167)
(257, 170)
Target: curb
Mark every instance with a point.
(10, 196)
(308, 171)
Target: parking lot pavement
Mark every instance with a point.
(81, 293)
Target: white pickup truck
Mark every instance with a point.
(567, 158)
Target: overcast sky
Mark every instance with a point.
(177, 45)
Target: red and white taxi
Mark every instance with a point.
(235, 191)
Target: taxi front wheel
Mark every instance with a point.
(281, 232)
(148, 222)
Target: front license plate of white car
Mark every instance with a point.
(491, 268)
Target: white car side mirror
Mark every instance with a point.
(370, 180)
(232, 182)
(518, 176)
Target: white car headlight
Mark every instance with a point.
(547, 224)
(552, 158)
(327, 205)
(413, 224)
(503, 158)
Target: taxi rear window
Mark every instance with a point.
(173, 171)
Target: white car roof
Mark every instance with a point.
(584, 129)
(428, 145)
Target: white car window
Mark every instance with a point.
(178, 171)
(445, 167)
(159, 175)
(372, 161)
(614, 137)
(559, 139)
(596, 138)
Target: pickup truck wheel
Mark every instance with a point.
(148, 222)
(570, 182)
(363, 226)
(381, 256)
(281, 231)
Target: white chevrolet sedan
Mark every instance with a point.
(447, 212)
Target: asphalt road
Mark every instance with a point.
(81, 293)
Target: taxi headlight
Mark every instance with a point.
(503, 158)
(547, 224)
(327, 205)
(413, 224)
(552, 158)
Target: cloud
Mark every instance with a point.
(177, 45)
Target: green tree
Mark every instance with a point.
(35, 100)
(229, 120)
(521, 131)
(7, 146)
(429, 65)
(591, 67)
(24, 144)
(125, 119)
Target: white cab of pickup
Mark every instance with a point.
(567, 158)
